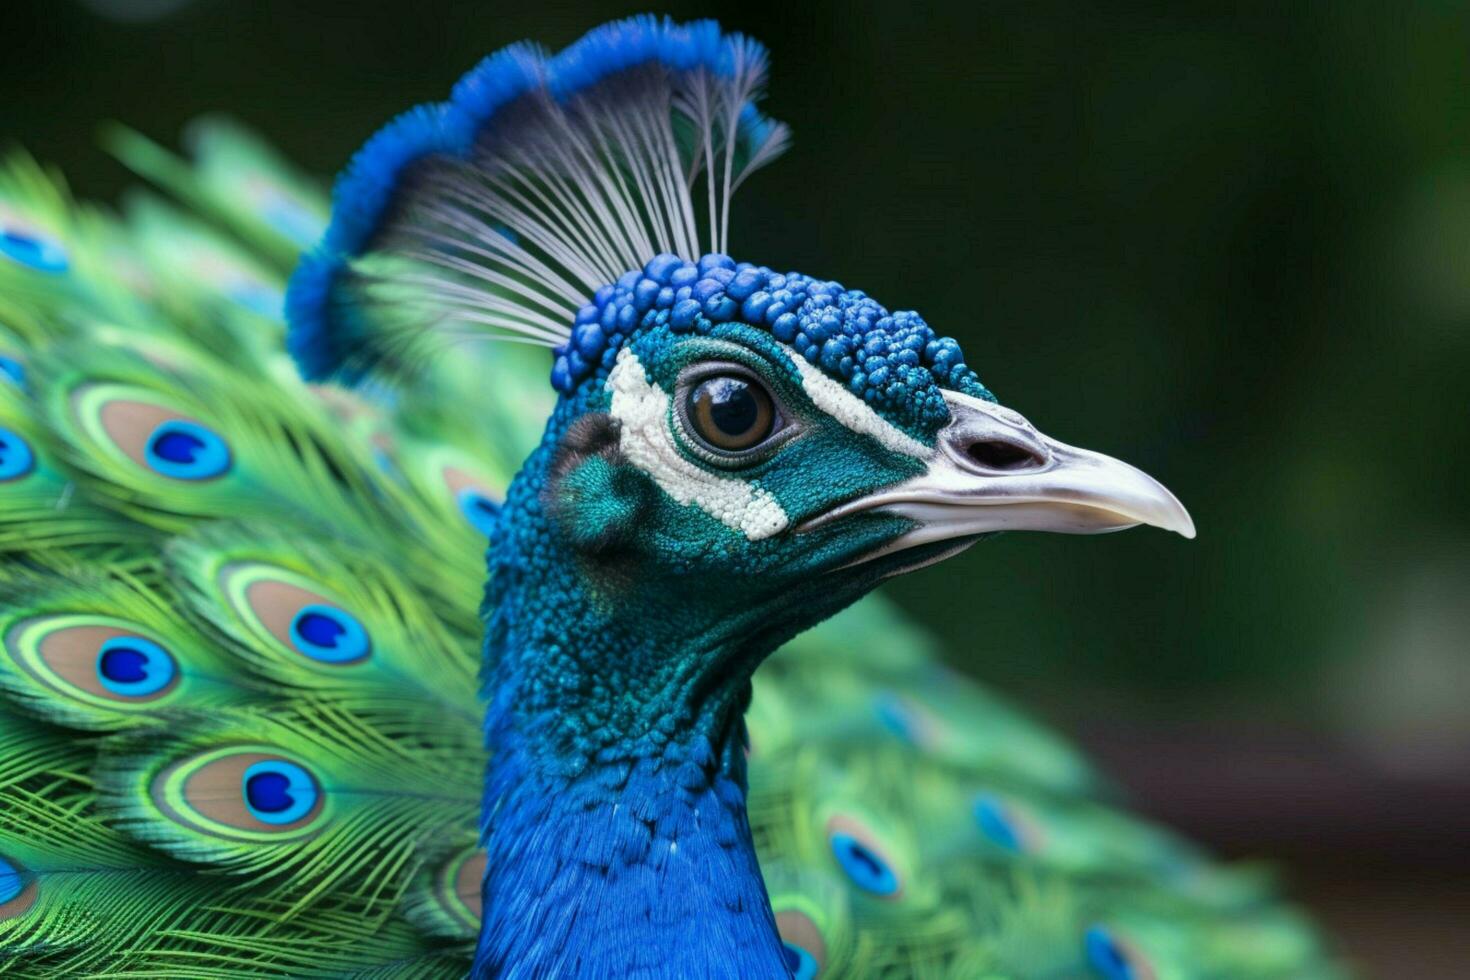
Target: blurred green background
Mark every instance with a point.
(1228, 243)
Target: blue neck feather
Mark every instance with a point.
(641, 867)
(614, 810)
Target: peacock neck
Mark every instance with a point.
(634, 866)
(614, 812)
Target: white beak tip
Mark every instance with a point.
(1171, 515)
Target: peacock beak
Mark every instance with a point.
(993, 471)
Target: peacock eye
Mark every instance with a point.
(17, 889)
(13, 371)
(240, 792)
(731, 413)
(134, 667)
(32, 249)
(478, 509)
(1114, 958)
(16, 457)
(185, 450)
(329, 634)
(278, 792)
(863, 856)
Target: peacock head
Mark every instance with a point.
(735, 451)
(779, 445)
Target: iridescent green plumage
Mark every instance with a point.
(128, 857)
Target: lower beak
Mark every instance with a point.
(992, 471)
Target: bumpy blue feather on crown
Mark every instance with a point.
(323, 331)
(892, 360)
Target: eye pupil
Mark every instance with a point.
(732, 406)
(731, 413)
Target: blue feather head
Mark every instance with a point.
(732, 445)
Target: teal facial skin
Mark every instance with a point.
(707, 601)
(815, 463)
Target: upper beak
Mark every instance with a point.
(992, 471)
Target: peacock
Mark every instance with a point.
(262, 714)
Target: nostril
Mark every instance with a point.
(996, 455)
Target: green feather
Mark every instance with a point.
(248, 583)
(95, 902)
(53, 628)
(99, 277)
(103, 402)
(445, 899)
(43, 516)
(237, 179)
(376, 802)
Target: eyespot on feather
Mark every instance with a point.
(804, 948)
(1114, 958)
(278, 792)
(472, 498)
(459, 886)
(863, 857)
(34, 249)
(13, 370)
(328, 634)
(1006, 825)
(17, 459)
(143, 428)
(287, 608)
(17, 890)
(98, 660)
(385, 455)
(241, 792)
(910, 720)
(185, 450)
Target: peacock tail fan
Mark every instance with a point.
(239, 733)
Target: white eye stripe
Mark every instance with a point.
(849, 409)
(642, 411)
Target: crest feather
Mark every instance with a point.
(542, 179)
